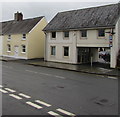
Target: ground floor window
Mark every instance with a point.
(66, 51)
(9, 48)
(23, 48)
(53, 50)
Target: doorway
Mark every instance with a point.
(83, 55)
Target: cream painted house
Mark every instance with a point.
(23, 38)
(75, 36)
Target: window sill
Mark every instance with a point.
(23, 52)
(66, 57)
(8, 51)
(23, 39)
(100, 37)
(83, 38)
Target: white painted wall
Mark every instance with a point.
(1, 38)
(73, 42)
(116, 45)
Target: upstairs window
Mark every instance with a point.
(53, 34)
(66, 51)
(9, 37)
(24, 36)
(66, 34)
(23, 48)
(83, 33)
(53, 50)
(8, 48)
(101, 32)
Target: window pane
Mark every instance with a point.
(24, 35)
(101, 33)
(53, 34)
(84, 33)
(23, 48)
(66, 51)
(52, 50)
(66, 34)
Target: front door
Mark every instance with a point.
(83, 55)
(16, 51)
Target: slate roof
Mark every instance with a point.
(18, 27)
(102, 16)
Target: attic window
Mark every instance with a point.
(83, 33)
(9, 37)
(24, 36)
(53, 34)
(66, 34)
(101, 32)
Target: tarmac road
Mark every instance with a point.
(31, 90)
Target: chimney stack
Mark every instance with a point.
(18, 16)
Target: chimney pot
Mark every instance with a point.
(18, 16)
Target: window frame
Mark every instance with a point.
(65, 52)
(82, 32)
(53, 51)
(8, 48)
(99, 33)
(53, 35)
(9, 37)
(66, 35)
(23, 48)
(23, 36)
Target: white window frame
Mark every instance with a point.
(24, 37)
(9, 37)
(23, 48)
(8, 48)
(54, 52)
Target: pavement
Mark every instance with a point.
(96, 68)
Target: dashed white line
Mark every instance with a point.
(65, 112)
(1, 86)
(11, 90)
(3, 91)
(15, 96)
(43, 103)
(33, 105)
(110, 77)
(24, 95)
(54, 114)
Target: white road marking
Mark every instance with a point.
(43, 103)
(54, 114)
(65, 112)
(24, 95)
(34, 105)
(3, 91)
(8, 89)
(1, 86)
(110, 77)
(60, 77)
(15, 96)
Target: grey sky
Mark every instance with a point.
(49, 10)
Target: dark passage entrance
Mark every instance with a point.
(83, 55)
